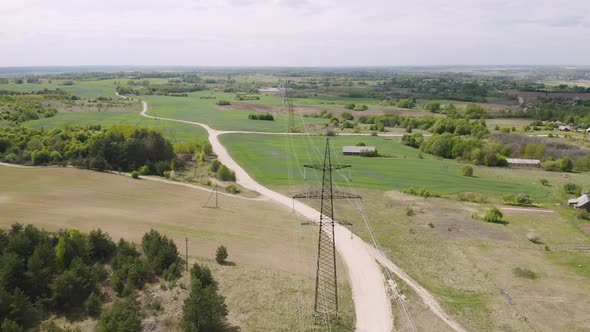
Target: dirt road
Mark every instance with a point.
(371, 301)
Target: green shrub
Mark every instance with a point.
(583, 214)
(572, 188)
(349, 106)
(223, 102)
(225, 174)
(422, 192)
(135, 174)
(144, 170)
(215, 166)
(493, 215)
(544, 182)
(40, 157)
(221, 255)
(233, 189)
(467, 170)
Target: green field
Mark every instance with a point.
(87, 89)
(192, 108)
(175, 132)
(268, 158)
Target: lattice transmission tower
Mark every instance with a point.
(326, 288)
(288, 102)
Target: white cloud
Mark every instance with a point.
(294, 32)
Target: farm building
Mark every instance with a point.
(515, 162)
(565, 128)
(357, 150)
(582, 202)
(588, 131)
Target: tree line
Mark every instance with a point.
(89, 147)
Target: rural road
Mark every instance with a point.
(371, 300)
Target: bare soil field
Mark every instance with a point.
(268, 286)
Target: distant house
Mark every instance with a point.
(565, 128)
(588, 131)
(515, 162)
(582, 202)
(357, 150)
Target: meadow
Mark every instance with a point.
(268, 159)
(86, 89)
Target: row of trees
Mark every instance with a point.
(261, 116)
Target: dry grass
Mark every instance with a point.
(268, 286)
(465, 262)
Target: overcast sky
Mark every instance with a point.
(293, 32)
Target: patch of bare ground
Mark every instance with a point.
(309, 110)
(585, 228)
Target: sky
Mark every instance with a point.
(294, 32)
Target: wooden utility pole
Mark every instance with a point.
(186, 252)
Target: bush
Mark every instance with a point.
(349, 106)
(223, 102)
(144, 170)
(467, 170)
(40, 157)
(124, 315)
(544, 182)
(583, 214)
(221, 255)
(225, 174)
(572, 188)
(264, 116)
(347, 116)
(493, 215)
(422, 192)
(233, 189)
(135, 174)
(215, 166)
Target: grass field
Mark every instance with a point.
(268, 159)
(465, 262)
(175, 132)
(88, 89)
(192, 108)
(273, 254)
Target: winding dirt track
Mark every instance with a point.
(371, 300)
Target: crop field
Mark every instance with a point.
(271, 276)
(268, 158)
